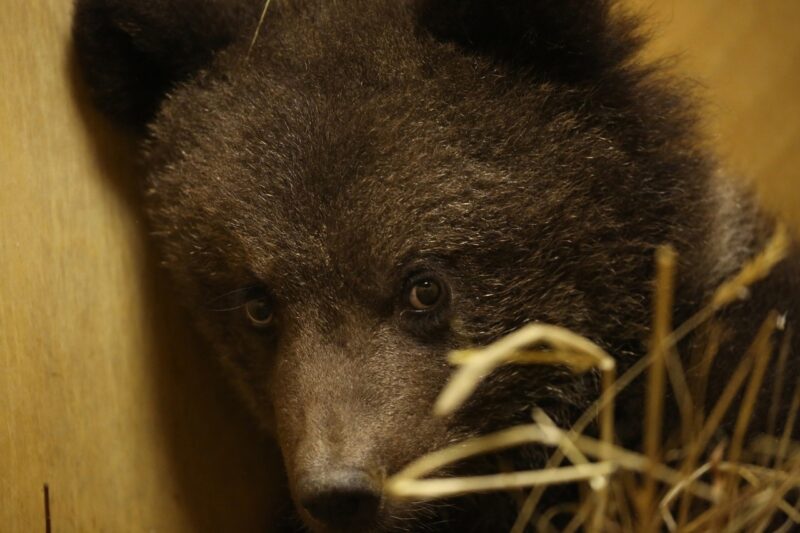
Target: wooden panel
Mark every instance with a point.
(745, 56)
(104, 393)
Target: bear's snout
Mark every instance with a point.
(345, 499)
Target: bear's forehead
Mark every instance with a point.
(300, 185)
(340, 203)
(293, 161)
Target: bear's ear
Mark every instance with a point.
(131, 52)
(570, 39)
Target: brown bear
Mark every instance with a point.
(345, 191)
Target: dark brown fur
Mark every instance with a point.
(518, 151)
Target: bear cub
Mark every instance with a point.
(366, 185)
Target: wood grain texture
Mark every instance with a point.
(744, 56)
(105, 394)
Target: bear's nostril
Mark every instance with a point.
(343, 500)
(342, 508)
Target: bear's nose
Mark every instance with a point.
(341, 500)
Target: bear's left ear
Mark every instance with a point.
(564, 39)
(131, 52)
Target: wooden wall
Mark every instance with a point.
(745, 57)
(106, 396)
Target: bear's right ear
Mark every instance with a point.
(131, 52)
(572, 40)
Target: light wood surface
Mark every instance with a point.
(105, 395)
(744, 56)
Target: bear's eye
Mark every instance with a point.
(259, 308)
(425, 293)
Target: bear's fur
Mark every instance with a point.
(517, 151)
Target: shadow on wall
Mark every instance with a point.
(227, 476)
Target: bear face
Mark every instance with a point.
(369, 185)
